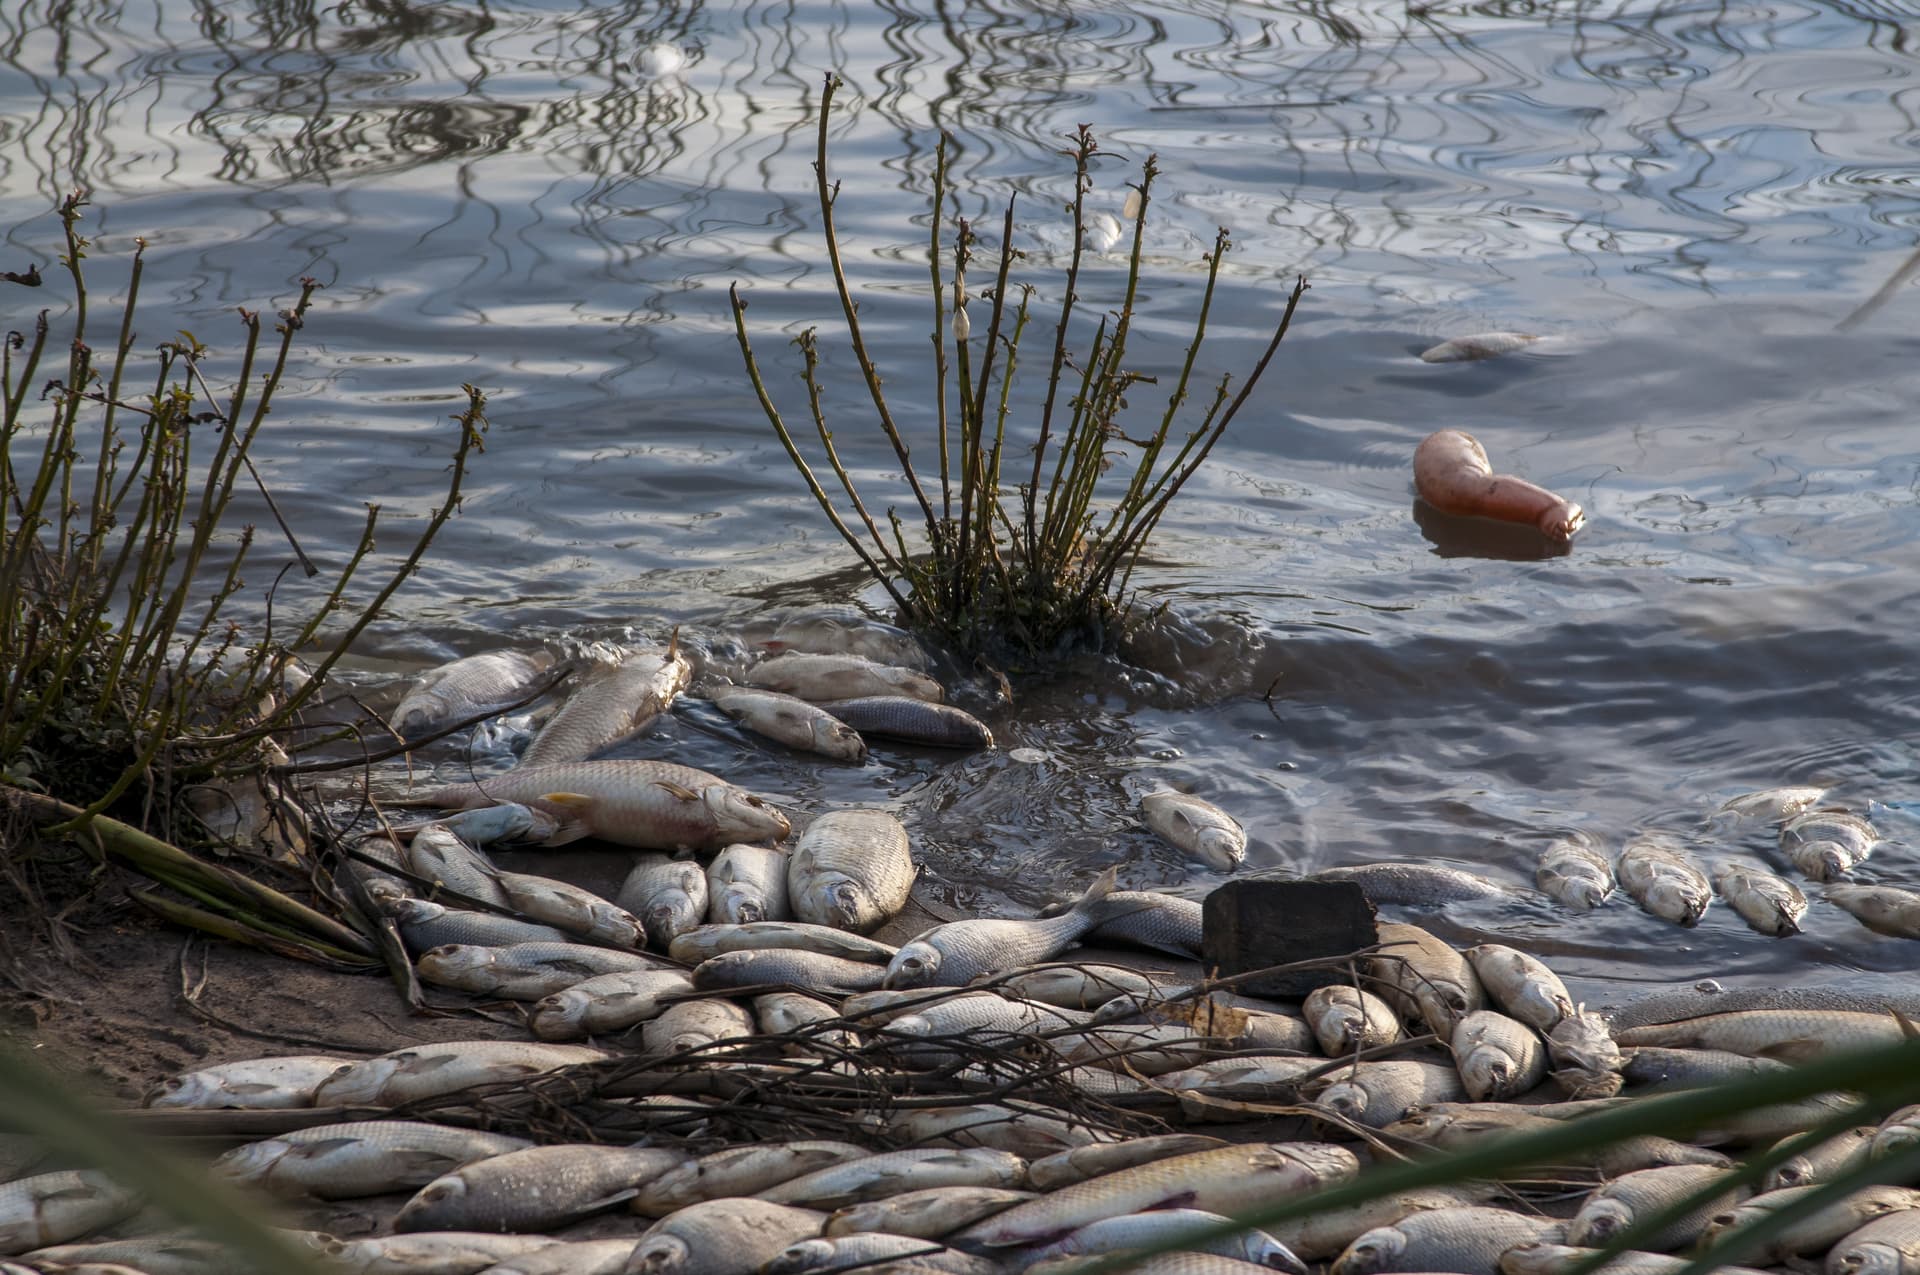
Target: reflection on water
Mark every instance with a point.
(1689, 197)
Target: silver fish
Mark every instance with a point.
(1145, 918)
(650, 805)
(1662, 879)
(851, 869)
(508, 821)
(721, 1237)
(1772, 804)
(1839, 1154)
(985, 1019)
(1897, 1133)
(431, 1253)
(747, 884)
(820, 678)
(1376, 1094)
(958, 952)
(1884, 909)
(1065, 1168)
(1474, 347)
(1427, 977)
(1467, 1238)
(1586, 1061)
(468, 688)
(341, 1161)
(1325, 1232)
(438, 854)
(1888, 1245)
(1575, 872)
(1417, 884)
(616, 705)
(1817, 1232)
(692, 1025)
(577, 1257)
(427, 925)
(427, 1071)
(256, 1084)
(1230, 1180)
(1769, 904)
(1633, 1196)
(1555, 1259)
(1825, 844)
(1023, 1132)
(928, 1214)
(845, 631)
(668, 895)
(891, 1172)
(169, 1253)
(1659, 1069)
(52, 1208)
(1345, 1018)
(793, 722)
(606, 1003)
(533, 1190)
(846, 1252)
(807, 971)
(1171, 1226)
(1499, 1057)
(1520, 985)
(1146, 1049)
(712, 940)
(1784, 1035)
(570, 908)
(912, 721)
(1083, 986)
(740, 1171)
(524, 971)
(781, 1012)
(1197, 828)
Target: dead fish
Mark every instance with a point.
(650, 805)
(1556, 1259)
(427, 925)
(929, 1214)
(912, 721)
(1162, 1227)
(860, 1250)
(1461, 1126)
(431, 1253)
(1522, 986)
(1769, 904)
(1081, 1163)
(794, 722)
(577, 1257)
(721, 1237)
(1196, 827)
(606, 1003)
(1586, 1060)
(613, 706)
(781, 1012)
(891, 1172)
(342, 1161)
(668, 895)
(52, 1208)
(1230, 1180)
(1146, 1049)
(1083, 986)
(570, 908)
(1417, 884)
(995, 1126)
(807, 971)
(437, 853)
(1660, 877)
(1772, 804)
(984, 1018)
(1498, 1057)
(1898, 1132)
(256, 1084)
(1837, 1155)
(1467, 1238)
(1146, 918)
(468, 688)
(524, 971)
(1888, 1245)
(169, 1253)
(691, 1025)
(822, 678)
(1783, 1035)
(845, 631)
(851, 869)
(1884, 909)
(1478, 345)
(1660, 1070)
(1325, 1232)
(1612, 1208)
(508, 821)
(740, 1171)
(534, 1189)
(1575, 872)
(1825, 844)
(427, 1071)
(958, 952)
(1819, 1231)
(711, 940)
(1427, 976)
(747, 884)
(1375, 1094)
(1257, 1078)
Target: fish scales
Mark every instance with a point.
(431, 1252)
(254, 1084)
(1376, 1094)
(1023, 1132)
(859, 1250)
(722, 1237)
(614, 706)
(851, 869)
(1427, 978)
(1769, 904)
(342, 1161)
(525, 971)
(1197, 828)
(1781, 1035)
(1145, 918)
(1656, 871)
(606, 1003)
(1884, 909)
(568, 907)
(438, 854)
(1825, 844)
(574, 1257)
(1323, 1234)
(1635, 1196)
(1521, 985)
(427, 1071)
(52, 1208)
(1575, 872)
(958, 952)
(1467, 1239)
(1068, 1167)
(1415, 884)
(691, 1025)
(891, 1172)
(1182, 1227)
(426, 925)
(468, 687)
(912, 721)
(746, 884)
(713, 940)
(821, 679)
(668, 895)
(534, 1189)
(794, 722)
(740, 1171)
(1817, 1232)
(933, 1213)
(804, 971)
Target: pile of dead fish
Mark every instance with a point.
(1432, 1048)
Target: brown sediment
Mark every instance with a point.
(1452, 473)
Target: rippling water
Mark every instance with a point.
(1694, 201)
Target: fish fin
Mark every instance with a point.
(1102, 886)
(684, 794)
(1794, 1050)
(568, 800)
(569, 821)
(617, 1197)
(673, 643)
(1908, 1027)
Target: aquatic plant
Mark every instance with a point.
(1027, 555)
(136, 667)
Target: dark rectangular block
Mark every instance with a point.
(1253, 924)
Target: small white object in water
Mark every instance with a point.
(1029, 756)
(660, 61)
(1479, 345)
(1103, 232)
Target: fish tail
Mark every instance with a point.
(1103, 885)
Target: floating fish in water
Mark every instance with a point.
(1476, 346)
(256, 1084)
(808, 971)
(1463, 1238)
(427, 925)
(1196, 827)
(721, 1237)
(614, 706)
(912, 721)
(52, 1208)
(958, 952)
(841, 631)
(343, 1161)
(1344, 1019)
(740, 1171)
(1499, 1057)
(1774, 804)
(1146, 918)
(819, 679)
(851, 869)
(1884, 909)
(793, 722)
(651, 805)
(668, 895)
(1825, 844)
(606, 1003)
(1575, 872)
(535, 1189)
(1521, 985)
(524, 971)
(1659, 875)
(1416, 884)
(1768, 904)
(660, 61)
(711, 940)
(1632, 1197)
(467, 688)
(427, 1071)
(691, 1025)
(747, 884)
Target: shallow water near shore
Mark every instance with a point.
(1689, 201)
